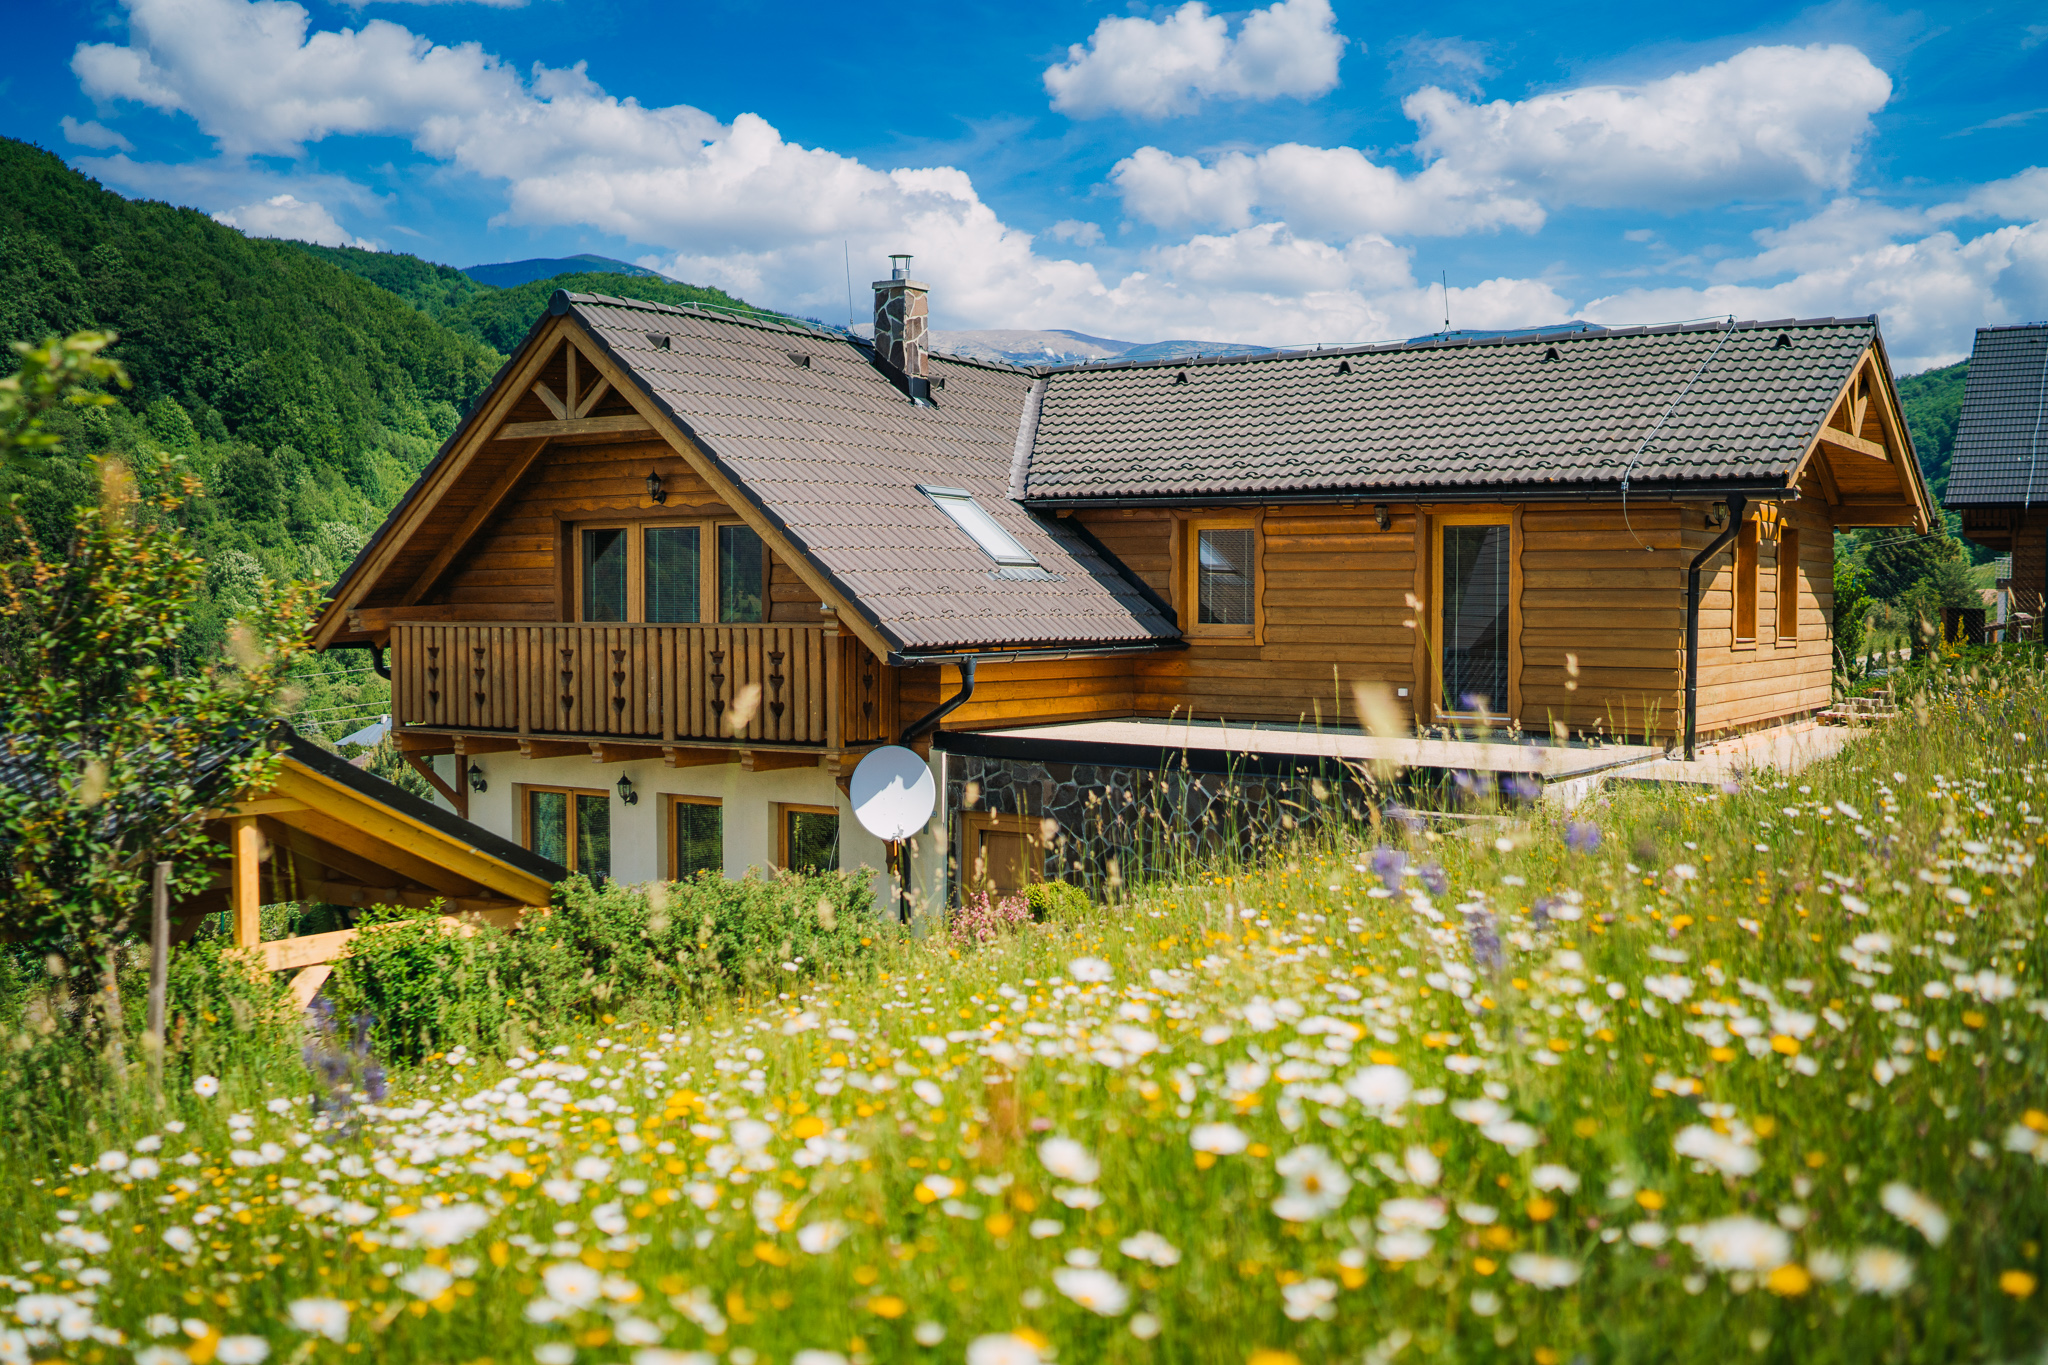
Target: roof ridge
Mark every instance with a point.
(765, 319)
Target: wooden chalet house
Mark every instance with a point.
(678, 570)
(1995, 478)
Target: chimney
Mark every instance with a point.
(900, 341)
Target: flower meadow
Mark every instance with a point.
(1685, 1076)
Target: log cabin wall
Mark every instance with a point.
(1742, 685)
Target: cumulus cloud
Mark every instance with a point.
(288, 216)
(1154, 68)
(2022, 197)
(92, 133)
(1769, 122)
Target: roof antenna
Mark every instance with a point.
(848, 246)
(1445, 276)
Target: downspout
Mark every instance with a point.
(1737, 507)
(376, 655)
(945, 708)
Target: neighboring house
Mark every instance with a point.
(678, 571)
(1994, 475)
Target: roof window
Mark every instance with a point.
(971, 517)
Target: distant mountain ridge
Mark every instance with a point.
(1058, 346)
(511, 274)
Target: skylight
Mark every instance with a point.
(971, 517)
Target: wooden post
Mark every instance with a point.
(835, 689)
(159, 949)
(245, 887)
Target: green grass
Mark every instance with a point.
(859, 1166)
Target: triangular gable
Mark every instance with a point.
(1861, 460)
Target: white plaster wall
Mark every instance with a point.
(640, 844)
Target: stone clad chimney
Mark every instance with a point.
(901, 343)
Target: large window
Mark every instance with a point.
(572, 827)
(1788, 584)
(671, 572)
(1745, 583)
(699, 838)
(1473, 623)
(1222, 577)
(808, 837)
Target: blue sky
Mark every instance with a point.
(1299, 171)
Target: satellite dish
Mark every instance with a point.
(893, 793)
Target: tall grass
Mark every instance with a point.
(1688, 1076)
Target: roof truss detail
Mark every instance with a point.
(1854, 460)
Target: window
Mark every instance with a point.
(1473, 624)
(699, 846)
(809, 838)
(1788, 584)
(983, 529)
(1745, 583)
(742, 574)
(669, 573)
(1222, 577)
(571, 827)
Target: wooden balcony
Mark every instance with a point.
(771, 685)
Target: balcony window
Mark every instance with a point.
(672, 564)
(742, 575)
(571, 827)
(809, 838)
(606, 565)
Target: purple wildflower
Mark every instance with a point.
(1581, 836)
(1433, 877)
(1388, 864)
(1484, 937)
(1540, 912)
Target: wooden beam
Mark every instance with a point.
(386, 847)
(245, 889)
(574, 426)
(601, 752)
(678, 757)
(307, 983)
(546, 395)
(410, 742)
(1828, 487)
(268, 805)
(456, 796)
(552, 748)
(771, 760)
(596, 395)
(475, 746)
(321, 854)
(1853, 445)
(485, 509)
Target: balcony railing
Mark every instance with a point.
(763, 684)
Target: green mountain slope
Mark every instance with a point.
(1933, 399)
(428, 287)
(508, 274)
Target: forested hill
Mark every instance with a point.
(1933, 400)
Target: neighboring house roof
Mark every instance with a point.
(2001, 434)
(1578, 409)
(832, 450)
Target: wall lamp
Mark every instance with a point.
(655, 493)
(476, 779)
(626, 792)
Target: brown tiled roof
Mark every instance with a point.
(1571, 409)
(2003, 427)
(834, 452)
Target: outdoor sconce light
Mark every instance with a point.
(1379, 515)
(655, 492)
(626, 792)
(1717, 515)
(476, 779)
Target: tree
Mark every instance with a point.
(1852, 610)
(115, 747)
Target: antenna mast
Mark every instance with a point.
(1445, 276)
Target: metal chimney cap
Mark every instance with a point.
(899, 265)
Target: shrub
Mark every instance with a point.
(982, 918)
(1057, 902)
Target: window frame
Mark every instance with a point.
(673, 837)
(947, 500)
(1188, 578)
(1788, 585)
(1506, 708)
(1745, 584)
(783, 810)
(636, 528)
(526, 791)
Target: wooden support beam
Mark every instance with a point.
(475, 746)
(601, 752)
(245, 888)
(547, 396)
(1828, 487)
(487, 506)
(677, 757)
(596, 395)
(574, 426)
(371, 844)
(771, 760)
(457, 795)
(334, 861)
(413, 743)
(552, 748)
(307, 983)
(1853, 445)
(267, 805)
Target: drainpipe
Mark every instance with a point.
(376, 655)
(946, 708)
(1737, 507)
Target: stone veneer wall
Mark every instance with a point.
(1116, 825)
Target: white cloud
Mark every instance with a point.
(92, 133)
(1769, 122)
(2017, 198)
(1328, 190)
(288, 216)
(1076, 231)
(1158, 67)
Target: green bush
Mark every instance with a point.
(600, 950)
(1056, 902)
